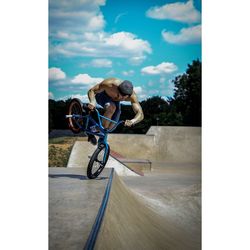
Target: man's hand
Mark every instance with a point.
(128, 123)
(91, 106)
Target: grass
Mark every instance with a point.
(60, 149)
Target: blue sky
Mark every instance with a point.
(146, 42)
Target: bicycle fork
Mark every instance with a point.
(103, 142)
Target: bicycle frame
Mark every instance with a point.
(103, 134)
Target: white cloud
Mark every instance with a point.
(111, 73)
(137, 60)
(128, 42)
(85, 79)
(160, 69)
(162, 79)
(167, 89)
(163, 87)
(128, 73)
(179, 11)
(138, 90)
(64, 35)
(75, 16)
(79, 25)
(153, 92)
(83, 98)
(101, 63)
(51, 95)
(150, 83)
(96, 23)
(101, 44)
(56, 74)
(185, 36)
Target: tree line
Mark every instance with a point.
(183, 109)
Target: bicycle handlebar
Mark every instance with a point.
(116, 125)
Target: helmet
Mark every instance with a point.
(126, 88)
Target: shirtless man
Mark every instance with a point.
(108, 94)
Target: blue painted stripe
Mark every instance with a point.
(97, 225)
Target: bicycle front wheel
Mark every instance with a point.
(98, 161)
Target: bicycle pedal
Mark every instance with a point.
(92, 139)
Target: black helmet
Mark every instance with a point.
(126, 88)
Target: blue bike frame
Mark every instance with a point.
(103, 134)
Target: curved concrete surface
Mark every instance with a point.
(73, 205)
(131, 221)
(174, 195)
(159, 211)
(130, 224)
(79, 156)
(161, 144)
(82, 151)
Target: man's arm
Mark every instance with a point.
(92, 92)
(139, 116)
(97, 89)
(91, 95)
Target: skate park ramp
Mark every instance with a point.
(74, 201)
(127, 221)
(161, 145)
(81, 153)
(130, 224)
(158, 211)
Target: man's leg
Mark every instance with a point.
(116, 115)
(109, 110)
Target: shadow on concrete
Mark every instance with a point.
(74, 176)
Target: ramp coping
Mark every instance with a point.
(98, 221)
(131, 169)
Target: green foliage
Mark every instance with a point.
(184, 109)
(187, 97)
(57, 112)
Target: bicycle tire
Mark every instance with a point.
(75, 108)
(94, 159)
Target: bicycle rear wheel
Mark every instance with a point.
(98, 161)
(75, 108)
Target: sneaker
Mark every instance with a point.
(93, 129)
(92, 139)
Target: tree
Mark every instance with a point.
(184, 109)
(187, 96)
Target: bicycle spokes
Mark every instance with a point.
(98, 161)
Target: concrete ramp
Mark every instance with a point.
(161, 144)
(74, 201)
(129, 224)
(81, 153)
(119, 167)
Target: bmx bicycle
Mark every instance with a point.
(81, 118)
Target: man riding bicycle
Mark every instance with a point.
(108, 94)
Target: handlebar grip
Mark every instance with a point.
(87, 109)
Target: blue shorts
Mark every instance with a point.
(102, 99)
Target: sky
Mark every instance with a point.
(148, 42)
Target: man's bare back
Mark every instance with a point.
(111, 88)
